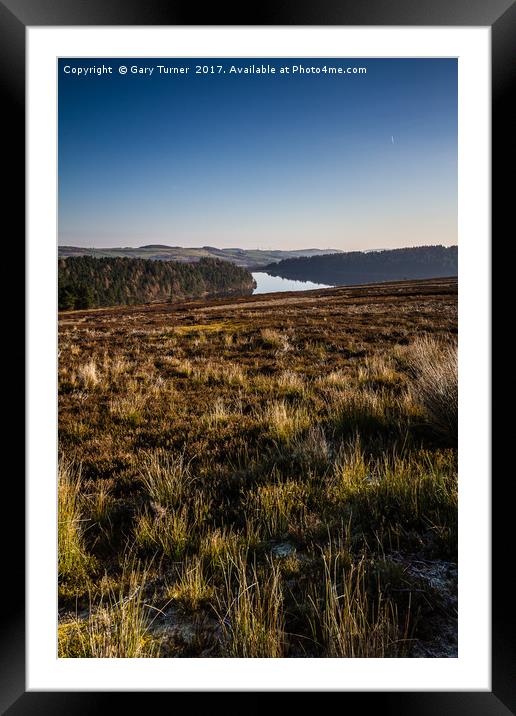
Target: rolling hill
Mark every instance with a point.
(247, 258)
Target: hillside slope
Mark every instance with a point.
(358, 267)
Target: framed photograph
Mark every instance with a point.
(258, 256)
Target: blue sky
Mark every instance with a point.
(348, 161)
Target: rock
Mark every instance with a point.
(283, 549)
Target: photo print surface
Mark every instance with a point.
(257, 293)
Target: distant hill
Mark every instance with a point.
(87, 282)
(248, 258)
(370, 267)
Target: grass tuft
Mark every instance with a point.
(283, 421)
(435, 383)
(163, 532)
(347, 621)
(166, 477)
(250, 610)
(118, 626)
(74, 563)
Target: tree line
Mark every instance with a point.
(87, 282)
(359, 267)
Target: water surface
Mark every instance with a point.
(269, 284)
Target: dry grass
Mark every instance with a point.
(435, 384)
(283, 421)
(221, 545)
(117, 627)
(366, 411)
(336, 379)
(88, 374)
(312, 450)
(275, 506)
(162, 532)
(267, 457)
(218, 413)
(378, 371)
(347, 621)
(98, 506)
(166, 477)
(290, 383)
(272, 338)
(419, 488)
(250, 610)
(192, 588)
(129, 408)
(73, 560)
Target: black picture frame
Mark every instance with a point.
(15, 17)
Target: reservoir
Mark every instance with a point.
(270, 284)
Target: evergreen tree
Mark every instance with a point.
(85, 281)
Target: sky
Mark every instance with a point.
(282, 160)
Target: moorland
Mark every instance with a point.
(261, 476)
